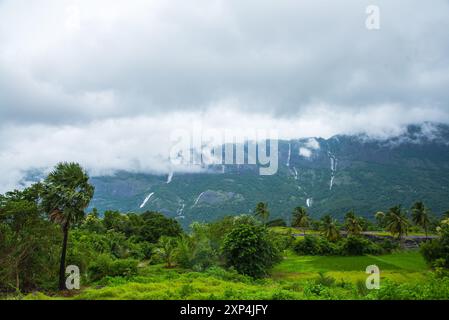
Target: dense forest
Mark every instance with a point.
(45, 228)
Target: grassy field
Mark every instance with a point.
(401, 267)
(294, 278)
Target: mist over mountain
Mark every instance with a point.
(326, 175)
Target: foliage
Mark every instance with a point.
(329, 228)
(104, 266)
(262, 212)
(420, 216)
(436, 251)
(301, 218)
(249, 250)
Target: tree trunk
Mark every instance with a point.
(63, 254)
(17, 279)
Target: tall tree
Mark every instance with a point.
(262, 212)
(66, 194)
(301, 218)
(353, 224)
(397, 222)
(420, 216)
(329, 228)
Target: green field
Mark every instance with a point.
(294, 278)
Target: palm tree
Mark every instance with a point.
(352, 224)
(262, 212)
(397, 222)
(66, 194)
(380, 218)
(301, 218)
(329, 228)
(166, 249)
(420, 216)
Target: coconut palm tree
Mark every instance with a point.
(262, 212)
(352, 224)
(166, 250)
(420, 216)
(397, 222)
(66, 194)
(329, 228)
(301, 218)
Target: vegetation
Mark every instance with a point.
(300, 218)
(149, 256)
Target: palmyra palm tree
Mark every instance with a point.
(66, 194)
(301, 218)
(420, 216)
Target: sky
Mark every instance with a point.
(105, 82)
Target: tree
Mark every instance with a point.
(166, 250)
(27, 242)
(420, 216)
(249, 249)
(380, 219)
(436, 251)
(329, 228)
(262, 212)
(66, 194)
(353, 224)
(396, 222)
(301, 218)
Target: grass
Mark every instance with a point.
(294, 278)
(401, 266)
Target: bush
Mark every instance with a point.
(315, 246)
(104, 266)
(436, 251)
(358, 246)
(249, 249)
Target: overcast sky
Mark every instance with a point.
(105, 82)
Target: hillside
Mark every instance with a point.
(328, 176)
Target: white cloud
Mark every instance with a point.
(104, 82)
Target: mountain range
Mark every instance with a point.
(345, 172)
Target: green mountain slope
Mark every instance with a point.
(328, 176)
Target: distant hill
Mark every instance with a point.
(327, 176)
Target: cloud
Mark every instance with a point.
(105, 82)
(68, 61)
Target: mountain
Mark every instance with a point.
(326, 175)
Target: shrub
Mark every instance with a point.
(104, 266)
(357, 246)
(249, 250)
(436, 251)
(315, 246)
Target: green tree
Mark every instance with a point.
(27, 242)
(301, 218)
(249, 249)
(66, 194)
(353, 224)
(329, 228)
(420, 216)
(166, 250)
(262, 212)
(396, 222)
